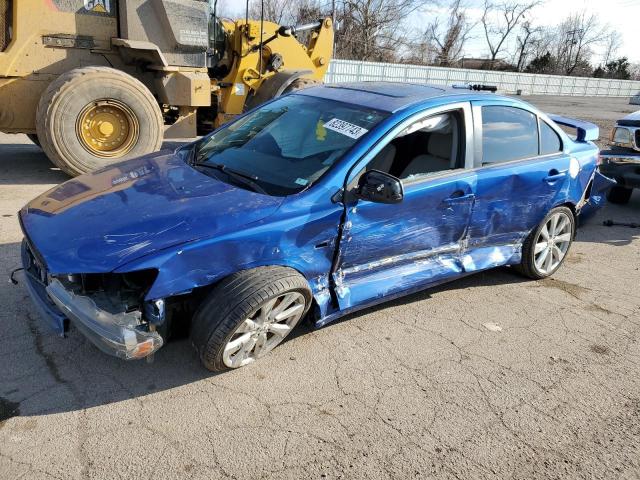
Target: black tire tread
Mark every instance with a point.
(526, 266)
(233, 300)
(61, 86)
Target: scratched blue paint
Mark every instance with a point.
(158, 212)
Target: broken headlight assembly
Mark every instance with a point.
(111, 311)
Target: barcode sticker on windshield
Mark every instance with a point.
(345, 128)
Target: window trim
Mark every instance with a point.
(477, 131)
(465, 107)
(540, 121)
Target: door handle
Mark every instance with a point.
(459, 197)
(555, 175)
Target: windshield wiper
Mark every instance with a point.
(245, 178)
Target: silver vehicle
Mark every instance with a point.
(622, 161)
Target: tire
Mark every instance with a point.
(223, 315)
(68, 99)
(529, 266)
(301, 84)
(34, 138)
(619, 195)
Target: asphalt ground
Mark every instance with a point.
(492, 376)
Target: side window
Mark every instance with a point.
(508, 133)
(550, 141)
(432, 144)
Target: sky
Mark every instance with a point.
(620, 15)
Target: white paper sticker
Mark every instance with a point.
(345, 128)
(301, 181)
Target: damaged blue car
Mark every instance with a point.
(314, 205)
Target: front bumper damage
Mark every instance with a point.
(122, 334)
(116, 334)
(623, 167)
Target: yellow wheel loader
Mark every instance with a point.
(99, 81)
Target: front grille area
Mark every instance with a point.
(6, 14)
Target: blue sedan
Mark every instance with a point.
(314, 205)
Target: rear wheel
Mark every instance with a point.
(547, 246)
(620, 195)
(93, 116)
(247, 315)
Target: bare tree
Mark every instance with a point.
(447, 43)
(576, 36)
(372, 29)
(527, 43)
(277, 11)
(500, 20)
(613, 42)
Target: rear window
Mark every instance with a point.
(508, 133)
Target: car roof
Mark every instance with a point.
(387, 96)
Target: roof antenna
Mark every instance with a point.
(476, 87)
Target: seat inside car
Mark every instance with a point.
(441, 153)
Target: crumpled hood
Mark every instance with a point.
(97, 222)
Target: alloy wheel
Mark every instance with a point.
(262, 331)
(552, 243)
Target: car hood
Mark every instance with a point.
(99, 221)
(631, 120)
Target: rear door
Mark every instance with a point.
(522, 172)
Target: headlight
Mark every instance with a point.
(622, 137)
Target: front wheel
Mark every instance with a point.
(247, 315)
(547, 246)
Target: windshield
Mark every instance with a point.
(286, 145)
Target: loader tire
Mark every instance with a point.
(91, 117)
(301, 84)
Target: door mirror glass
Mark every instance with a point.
(380, 187)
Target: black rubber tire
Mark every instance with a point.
(233, 300)
(34, 138)
(64, 99)
(301, 84)
(619, 195)
(527, 266)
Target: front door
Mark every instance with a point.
(388, 250)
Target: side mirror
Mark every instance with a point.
(380, 187)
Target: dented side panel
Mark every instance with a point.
(512, 199)
(303, 237)
(386, 248)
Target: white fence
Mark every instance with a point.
(341, 71)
